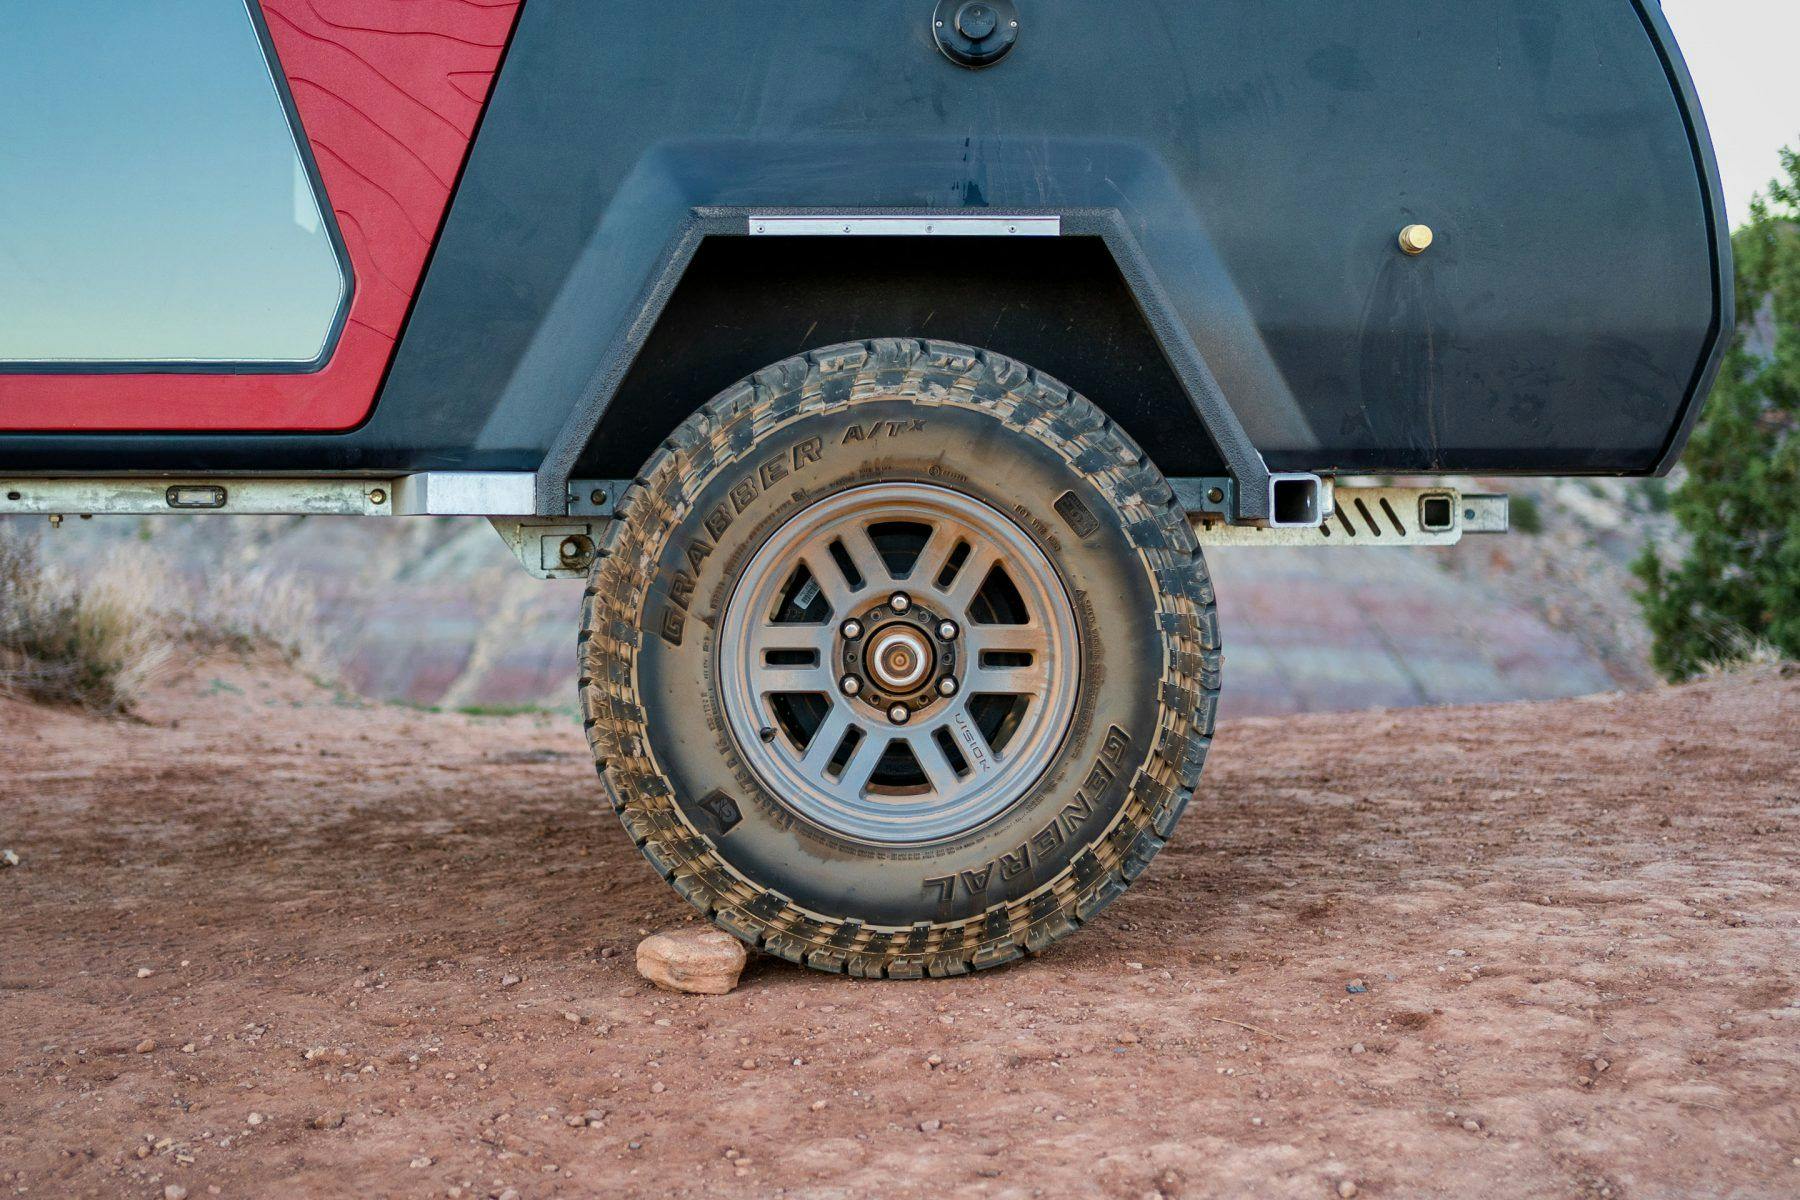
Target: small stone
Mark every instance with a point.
(703, 962)
(1472, 1125)
(658, 1088)
(1356, 987)
(749, 1064)
(931, 1126)
(1600, 1064)
(174, 1192)
(509, 981)
(594, 1116)
(147, 1046)
(610, 952)
(574, 1018)
(574, 1122)
(145, 972)
(1459, 954)
(819, 1104)
(254, 1118)
(1346, 1188)
(1134, 966)
(143, 1150)
(935, 1060)
(329, 1120)
(1358, 1048)
(420, 1163)
(9, 858)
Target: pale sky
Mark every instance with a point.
(1745, 59)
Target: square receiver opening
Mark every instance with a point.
(1294, 500)
(1437, 513)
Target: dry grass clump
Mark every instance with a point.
(1740, 653)
(98, 642)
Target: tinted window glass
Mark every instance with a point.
(154, 206)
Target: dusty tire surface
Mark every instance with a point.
(815, 427)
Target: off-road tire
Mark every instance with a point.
(659, 581)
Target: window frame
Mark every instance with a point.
(327, 218)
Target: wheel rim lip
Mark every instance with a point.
(883, 817)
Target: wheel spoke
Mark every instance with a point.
(830, 578)
(1009, 677)
(792, 636)
(787, 681)
(1032, 639)
(931, 758)
(866, 558)
(854, 778)
(935, 555)
(826, 739)
(968, 581)
(794, 639)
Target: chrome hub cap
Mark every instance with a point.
(899, 663)
(899, 658)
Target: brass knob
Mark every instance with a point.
(1416, 239)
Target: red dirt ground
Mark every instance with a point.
(1577, 924)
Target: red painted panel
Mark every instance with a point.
(389, 93)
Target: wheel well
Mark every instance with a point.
(1059, 305)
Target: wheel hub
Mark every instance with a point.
(899, 662)
(899, 659)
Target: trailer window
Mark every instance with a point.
(158, 208)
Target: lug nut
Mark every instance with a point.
(850, 685)
(946, 687)
(947, 630)
(899, 602)
(851, 630)
(899, 714)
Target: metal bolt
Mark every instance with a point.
(948, 630)
(899, 602)
(1416, 239)
(1215, 495)
(572, 549)
(850, 685)
(899, 714)
(766, 733)
(378, 496)
(851, 630)
(946, 687)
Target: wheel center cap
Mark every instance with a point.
(900, 659)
